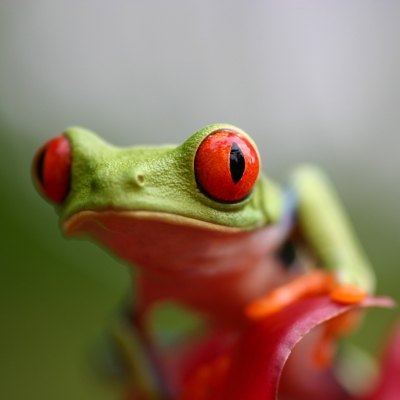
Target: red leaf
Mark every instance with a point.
(262, 352)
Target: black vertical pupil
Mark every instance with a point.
(236, 162)
(39, 166)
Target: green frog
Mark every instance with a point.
(203, 225)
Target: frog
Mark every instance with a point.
(205, 228)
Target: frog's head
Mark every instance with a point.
(123, 196)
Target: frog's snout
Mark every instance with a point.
(51, 169)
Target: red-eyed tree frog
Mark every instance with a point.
(204, 226)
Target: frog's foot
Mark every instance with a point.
(310, 284)
(348, 294)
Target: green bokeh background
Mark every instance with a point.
(57, 295)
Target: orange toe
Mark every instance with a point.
(348, 294)
(260, 309)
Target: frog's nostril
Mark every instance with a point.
(140, 179)
(134, 179)
(51, 168)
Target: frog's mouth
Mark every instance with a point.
(118, 221)
(167, 241)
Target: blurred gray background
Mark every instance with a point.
(310, 81)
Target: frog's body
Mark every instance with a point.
(215, 253)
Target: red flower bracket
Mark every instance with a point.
(262, 352)
(254, 368)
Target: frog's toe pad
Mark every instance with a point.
(348, 294)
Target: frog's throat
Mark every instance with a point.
(176, 247)
(71, 224)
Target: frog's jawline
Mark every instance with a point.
(174, 219)
(162, 241)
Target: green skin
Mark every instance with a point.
(162, 179)
(144, 204)
(105, 177)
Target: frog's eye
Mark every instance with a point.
(52, 168)
(226, 166)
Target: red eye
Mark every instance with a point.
(226, 166)
(52, 168)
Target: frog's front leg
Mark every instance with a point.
(346, 273)
(325, 226)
